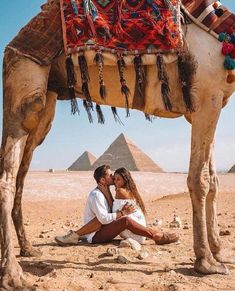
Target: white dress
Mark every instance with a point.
(137, 216)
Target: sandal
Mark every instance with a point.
(167, 238)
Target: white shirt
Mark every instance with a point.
(97, 206)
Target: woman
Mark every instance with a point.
(126, 192)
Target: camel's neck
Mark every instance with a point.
(211, 16)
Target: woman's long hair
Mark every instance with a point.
(131, 186)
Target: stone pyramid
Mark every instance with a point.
(83, 163)
(124, 153)
(232, 170)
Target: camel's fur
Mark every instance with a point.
(29, 110)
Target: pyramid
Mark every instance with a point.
(83, 163)
(232, 170)
(124, 153)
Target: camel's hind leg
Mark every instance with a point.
(24, 84)
(211, 217)
(204, 123)
(35, 138)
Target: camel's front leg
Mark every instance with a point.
(24, 85)
(211, 217)
(203, 129)
(35, 138)
(12, 274)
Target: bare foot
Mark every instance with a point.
(210, 267)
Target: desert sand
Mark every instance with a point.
(53, 203)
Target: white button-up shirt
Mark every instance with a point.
(97, 206)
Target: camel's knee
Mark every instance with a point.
(31, 109)
(199, 184)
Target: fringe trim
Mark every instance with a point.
(100, 114)
(140, 74)
(116, 116)
(71, 82)
(148, 117)
(71, 77)
(88, 110)
(99, 61)
(163, 78)
(187, 67)
(85, 78)
(124, 89)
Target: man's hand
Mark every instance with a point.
(128, 209)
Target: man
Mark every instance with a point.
(101, 225)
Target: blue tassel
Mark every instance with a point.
(233, 38)
(74, 5)
(90, 8)
(229, 63)
(222, 36)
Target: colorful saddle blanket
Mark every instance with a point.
(130, 26)
(203, 12)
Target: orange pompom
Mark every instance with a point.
(230, 78)
(215, 5)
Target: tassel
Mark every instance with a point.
(163, 78)
(116, 116)
(229, 63)
(99, 60)
(100, 115)
(73, 101)
(71, 82)
(148, 117)
(91, 13)
(187, 69)
(88, 110)
(140, 74)
(85, 78)
(74, 6)
(71, 79)
(124, 89)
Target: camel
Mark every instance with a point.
(29, 108)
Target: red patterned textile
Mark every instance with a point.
(204, 12)
(130, 26)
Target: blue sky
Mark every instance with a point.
(167, 141)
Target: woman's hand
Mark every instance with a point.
(128, 209)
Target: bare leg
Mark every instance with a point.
(91, 226)
(199, 183)
(211, 217)
(34, 139)
(109, 231)
(24, 84)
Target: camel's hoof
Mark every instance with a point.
(32, 252)
(205, 267)
(12, 277)
(223, 259)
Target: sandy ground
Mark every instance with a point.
(53, 203)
